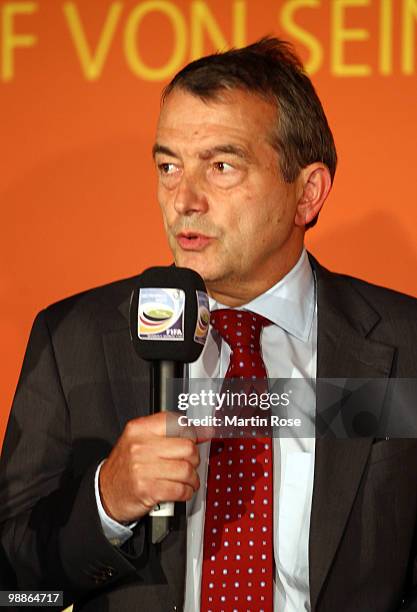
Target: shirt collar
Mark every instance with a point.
(290, 303)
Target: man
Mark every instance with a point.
(245, 161)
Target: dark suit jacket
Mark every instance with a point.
(81, 382)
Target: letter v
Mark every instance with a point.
(92, 62)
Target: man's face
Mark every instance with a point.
(228, 213)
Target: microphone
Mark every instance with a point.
(169, 322)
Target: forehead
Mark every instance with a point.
(236, 116)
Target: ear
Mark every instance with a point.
(314, 184)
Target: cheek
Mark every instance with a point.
(165, 219)
(254, 218)
(259, 228)
(163, 200)
(243, 237)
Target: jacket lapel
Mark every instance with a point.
(131, 393)
(344, 351)
(128, 374)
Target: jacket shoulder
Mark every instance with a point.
(381, 298)
(344, 287)
(92, 305)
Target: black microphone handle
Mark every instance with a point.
(162, 373)
(162, 400)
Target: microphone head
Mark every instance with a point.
(169, 315)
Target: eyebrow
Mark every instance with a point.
(158, 148)
(228, 149)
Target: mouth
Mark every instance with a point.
(193, 241)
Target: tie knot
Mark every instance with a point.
(239, 328)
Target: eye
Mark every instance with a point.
(167, 168)
(169, 173)
(223, 167)
(226, 175)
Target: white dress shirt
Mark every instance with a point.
(289, 349)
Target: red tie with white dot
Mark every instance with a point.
(238, 539)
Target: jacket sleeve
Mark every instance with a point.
(51, 535)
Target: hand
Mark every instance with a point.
(146, 467)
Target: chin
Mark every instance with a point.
(202, 263)
(201, 270)
(189, 261)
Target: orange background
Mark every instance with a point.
(77, 182)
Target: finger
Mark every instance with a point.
(167, 490)
(205, 434)
(198, 433)
(162, 424)
(178, 448)
(177, 429)
(154, 424)
(179, 471)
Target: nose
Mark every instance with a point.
(190, 198)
